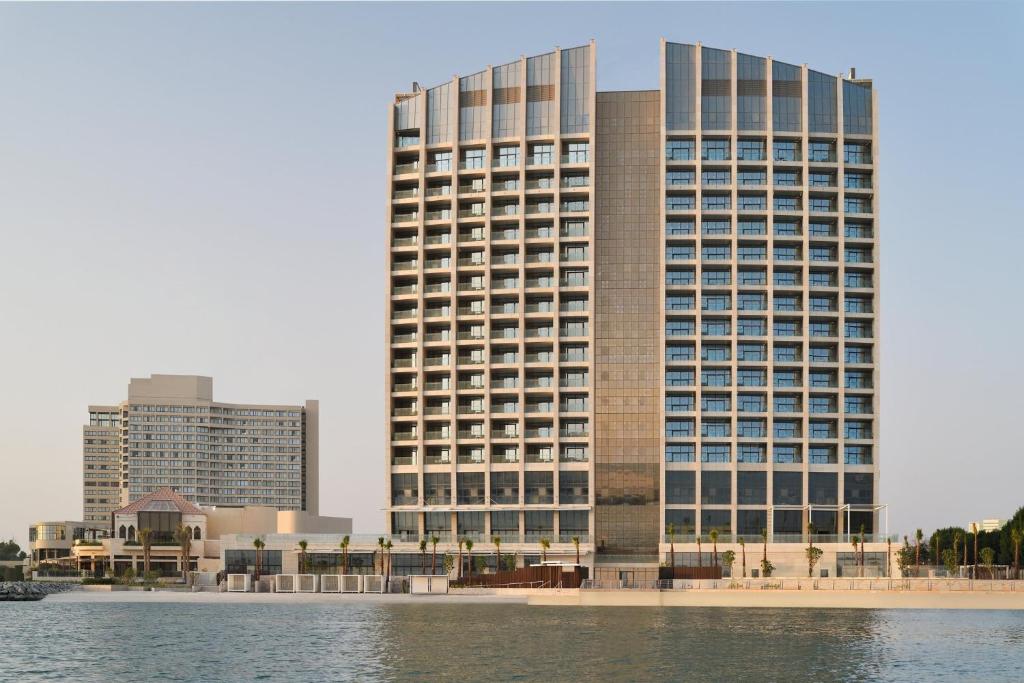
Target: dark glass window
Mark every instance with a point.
(787, 488)
(715, 487)
(751, 488)
(680, 487)
(823, 488)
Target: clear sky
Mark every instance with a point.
(201, 189)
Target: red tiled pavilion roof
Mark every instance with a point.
(164, 499)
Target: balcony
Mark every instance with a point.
(403, 169)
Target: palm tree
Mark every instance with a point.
(145, 537)
(1016, 536)
(956, 542)
(714, 547)
(764, 540)
(671, 530)
(545, 543)
(380, 544)
(462, 542)
(423, 556)
(469, 557)
(344, 554)
(974, 530)
(918, 535)
(433, 554)
(303, 544)
(576, 542)
(184, 538)
(863, 537)
(258, 544)
(743, 549)
(496, 540)
(387, 575)
(856, 559)
(700, 560)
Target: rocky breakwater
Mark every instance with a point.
(25, 590)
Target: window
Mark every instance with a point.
(818, 454)
(716, 177)
(787, 178)
(716, 277)
(680, 486)
(715, 302)
(680, 178)
(823, 204)
(751, 352)
(821, 404)
(716, 486)
(678, 428)
(679, 228)
(573, 487)
(857, 429)
(856, 455)
(821, 429)
(751, 403)
(441, 161)
(751, 301)
(824, 151)
(857, 405)
(679, 403)
(787, 488)
(822, 378)
(857, 379)
(751, 429)
(857, 230)
(823, 303)
(684, 276)
(786, 253)
(714, 327)
(857, 329)
(679, 302)
(715, 202)
(715, 403)
(750, 453)
(787, 203)
(679, 378)
(787, 302)
(822, 328)
(715, 429)
(508, 156)
(680, 202)
(539, 488)
(542, 153)
(752, 276)
(821, 180)
(786, 403)
(858, 354)
(856, 205)
(679, 328)
(716, 227)
(751, 177)
(677, 452)
(715, 150)
(751, 252)
(751, 327)
(787, 353)
(786, 454)
(821, 354)
(787, 378)
(822, 278)
(718, 377)
(752, 202)
(821, 229)
(473, 158)
(715, 352)
(857, 280)
(787, 328)
(857, 153)
(715, 253)
(786, 150)
(856, 180)
(753, 227)
(750, 150)
(786, 228)
(714, 452)
(751, 377)
(752, 487)
(679, 352)
(680, 150)
(577, 152)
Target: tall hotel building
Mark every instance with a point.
(611, 314)
(170, 432)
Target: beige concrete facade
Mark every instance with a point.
(170, 432)
(528, 344)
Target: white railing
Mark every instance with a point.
(239, 583)
(284, 583)
(836, 584)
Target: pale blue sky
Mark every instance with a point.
(223, 166)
